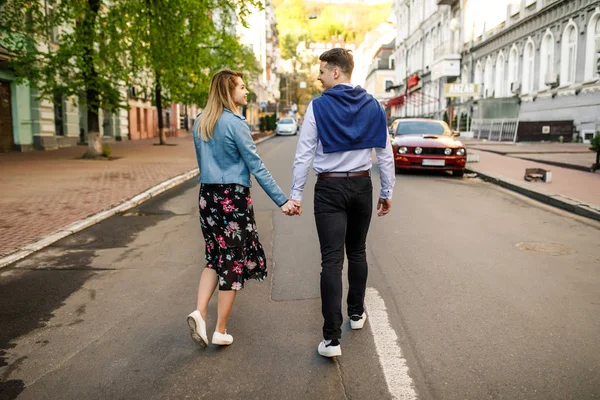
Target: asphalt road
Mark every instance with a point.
(486, 295)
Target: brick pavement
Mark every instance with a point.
(578, 185)
(44, 191)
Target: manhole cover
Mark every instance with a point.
(549, 249)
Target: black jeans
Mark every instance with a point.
(343, 208)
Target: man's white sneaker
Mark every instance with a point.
(222, 339)
(358, 321)
(330, 348)
(197, 328)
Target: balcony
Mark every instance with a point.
(445, 51)
(446, 62)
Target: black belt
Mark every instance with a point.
(344, 174)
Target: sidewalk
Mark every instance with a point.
(46, 191)
(567, 155)
(571, 190)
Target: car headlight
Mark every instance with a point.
(402, 150)
(460, 152)
(418, 150)
(448, 151)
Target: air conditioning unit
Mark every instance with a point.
(515, 87)
(551, 79)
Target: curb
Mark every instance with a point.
(553, 199)
(47, 240)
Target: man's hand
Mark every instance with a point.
(298, 204)
(291, 207)
(384, 206)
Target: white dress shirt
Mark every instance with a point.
(343, 161)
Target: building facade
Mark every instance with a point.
(262, 37)
(381, 73)
(539, 66)
(428, 43)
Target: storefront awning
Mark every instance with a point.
(395, 101)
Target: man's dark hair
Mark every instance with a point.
(340, 58)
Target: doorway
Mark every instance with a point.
(6, 126)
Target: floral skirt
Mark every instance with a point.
(232, 246)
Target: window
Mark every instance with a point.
(500, 79)
(593, 37)
(58, 115)
(464, 77)
(478, 77)
(569, 54)
(54, 30)
(391, 62)
(513, 68)
(547, 59)
(388, 83)
(528, 67)
(489, 76)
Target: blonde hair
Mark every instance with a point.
(220, 94)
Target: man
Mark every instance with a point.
(340, 129)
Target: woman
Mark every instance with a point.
(226, 157)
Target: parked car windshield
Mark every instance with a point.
(420, 128)
(286, 121)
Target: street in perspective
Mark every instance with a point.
(297, 199)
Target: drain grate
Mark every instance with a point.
(549, 249)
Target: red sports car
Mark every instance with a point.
(427, 144)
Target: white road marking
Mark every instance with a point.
(394, 366)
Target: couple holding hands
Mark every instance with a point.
(340, 130)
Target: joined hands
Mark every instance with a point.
(292, 207)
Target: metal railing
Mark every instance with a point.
(499, 130)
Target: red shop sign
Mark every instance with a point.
(413, 81)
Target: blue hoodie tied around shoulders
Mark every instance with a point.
(349, 118)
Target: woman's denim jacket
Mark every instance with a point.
(230, 156)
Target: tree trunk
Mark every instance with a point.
(158, 99)
(88, 27)
(94, 137)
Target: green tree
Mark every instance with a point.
(176, 46)
(72, 48)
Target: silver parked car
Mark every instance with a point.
(286, 126)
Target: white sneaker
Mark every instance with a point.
(222, 339)
(197, 328)
(329, 349)
(358, 321)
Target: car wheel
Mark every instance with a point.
(458, 173)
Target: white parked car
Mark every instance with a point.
(286, 126)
